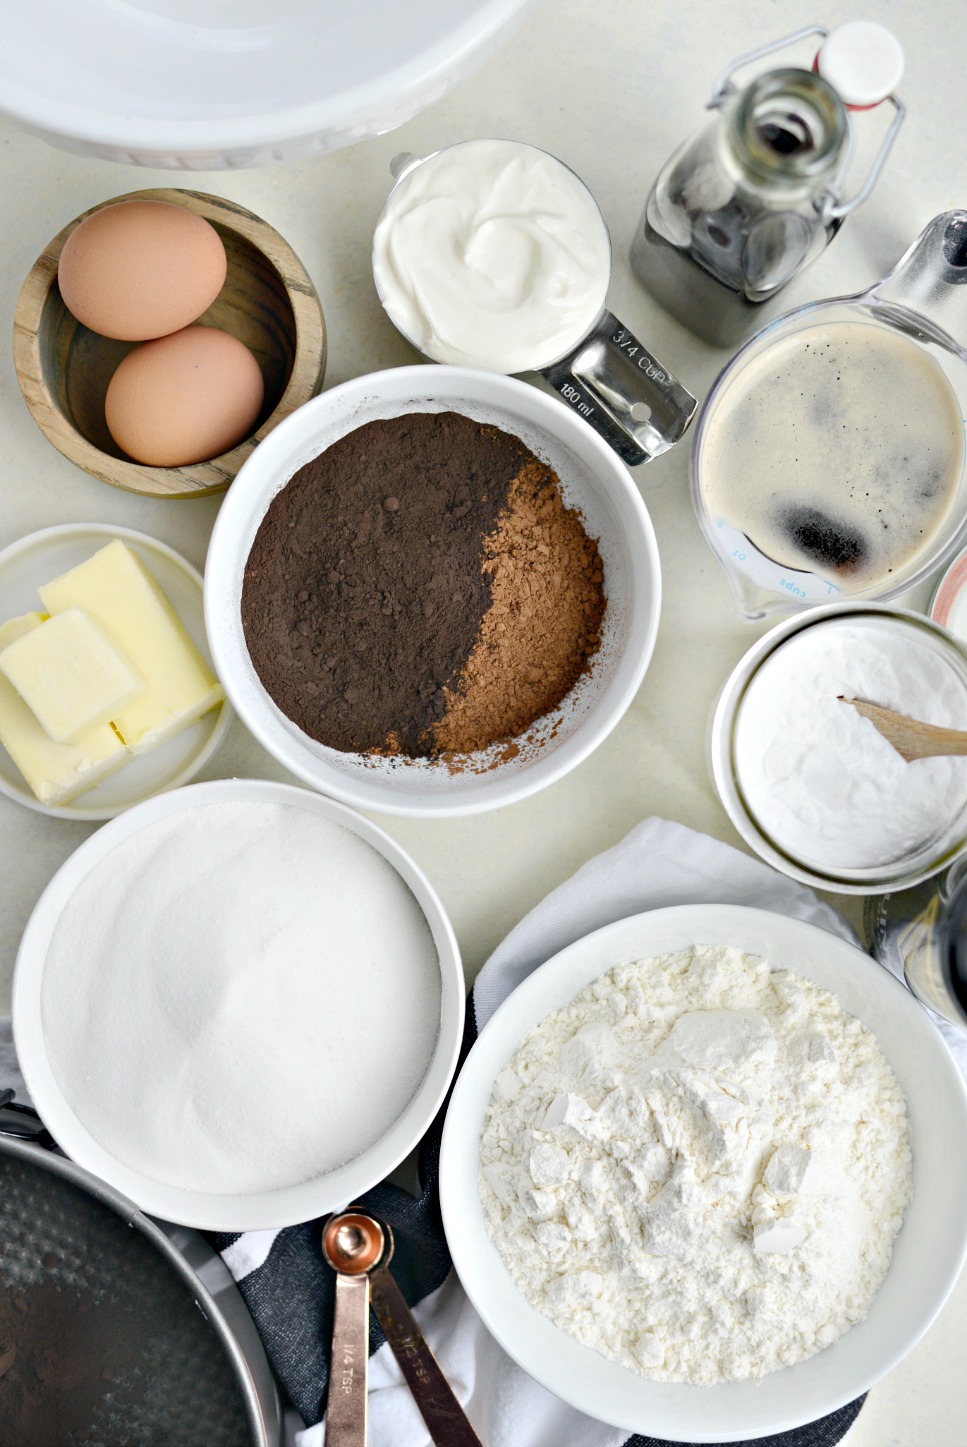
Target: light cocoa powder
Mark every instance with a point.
(542, 626)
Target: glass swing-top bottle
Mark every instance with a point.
(755, 195)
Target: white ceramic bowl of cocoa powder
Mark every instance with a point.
(592, 480)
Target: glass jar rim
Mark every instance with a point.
(810, 99)
(900, 873)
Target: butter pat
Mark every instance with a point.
(116, 589)
(55, 772)
(71, 675)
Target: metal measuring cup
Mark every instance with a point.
(359, 1248)
(609, 377)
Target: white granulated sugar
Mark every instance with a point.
(819, 778)
(240, 997)
(698, 1167)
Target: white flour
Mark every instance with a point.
(698, 1167)
(240, 997)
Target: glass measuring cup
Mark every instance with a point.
(592, 360)
(918, 311)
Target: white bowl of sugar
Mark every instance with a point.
(240, 1004)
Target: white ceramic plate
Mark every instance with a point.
(267, 1209)
(34, 560)
(208, 84)
(930, 1249)
(593, 479)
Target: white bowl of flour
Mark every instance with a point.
(240, 1004)
(810, 1226)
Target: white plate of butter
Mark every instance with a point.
(107, 692)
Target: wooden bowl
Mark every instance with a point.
(268, 302)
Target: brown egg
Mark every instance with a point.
(184, 398)
(141, 269)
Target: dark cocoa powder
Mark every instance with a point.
(421, 589)
(363, 592)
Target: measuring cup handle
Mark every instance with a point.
(628, 397)
(930, 279)
(346, 1402)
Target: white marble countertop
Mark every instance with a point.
(611, 89)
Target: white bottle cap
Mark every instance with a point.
(862, 61)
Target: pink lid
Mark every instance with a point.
(949, 604)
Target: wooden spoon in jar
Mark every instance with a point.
(911, 738)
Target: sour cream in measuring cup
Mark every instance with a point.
(492, 254)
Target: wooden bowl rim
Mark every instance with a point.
(197, 479)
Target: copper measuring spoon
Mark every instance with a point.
(359, 1249)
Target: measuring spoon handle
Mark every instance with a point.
(346, 1403)
(445, 1418)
